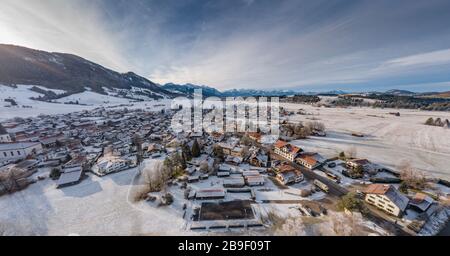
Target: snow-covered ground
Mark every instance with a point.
(91, 100)
(96, 206)
(389, 140)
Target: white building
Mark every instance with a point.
(310, 160)
(286, 150)
(386, 198)
(18, 151)
(110, 164)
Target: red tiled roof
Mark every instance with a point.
(280, 144)
(309, 159)
(293, 149)
(379, 189)
(286, 168)
(255, 135)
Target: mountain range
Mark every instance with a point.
(74, 74)
(71, 73)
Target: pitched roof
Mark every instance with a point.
(390, 192)
(291, 148)
(421, 201)
(379, 189)
(255, 135)
(309, 159)
(280, 144)
(286, 168)
(69, 177)
(20, 145)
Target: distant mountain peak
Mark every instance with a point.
(400, 92)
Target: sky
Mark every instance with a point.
(314, 45)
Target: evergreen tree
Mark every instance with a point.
(195, 149)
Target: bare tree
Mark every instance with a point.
(411, 177)
(351, 152)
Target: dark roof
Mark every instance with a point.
(67, 178)
(2, 130)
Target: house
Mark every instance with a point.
(109, 164)
(70, 176)
(78, 161)
(4, 135)
(286, 150)
(310, 160)
(233, 160)
(192, 179)
(237, 152)
(49, 142)
(358, 163)
(421, 202)
(253, 178)
(226, 148)
(259, 160)
(18, 151)
(217, 137)
(287, 174)
(256, 136)
(386, 198)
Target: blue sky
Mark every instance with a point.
(313, 45)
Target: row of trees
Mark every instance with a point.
(437, 122)
(302, 130)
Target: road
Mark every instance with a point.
(335, 188)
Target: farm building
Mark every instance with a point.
(257, 180)
(234, 182)
(207, 194)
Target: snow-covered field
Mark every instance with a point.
(96, 206)
(389, 140)
(91, 100)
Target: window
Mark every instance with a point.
(12, 153)
(4, 153)
(18, 152)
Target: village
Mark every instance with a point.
(218, 182)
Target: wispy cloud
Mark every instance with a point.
(65, 26)
(241, 43)
(422, 59)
